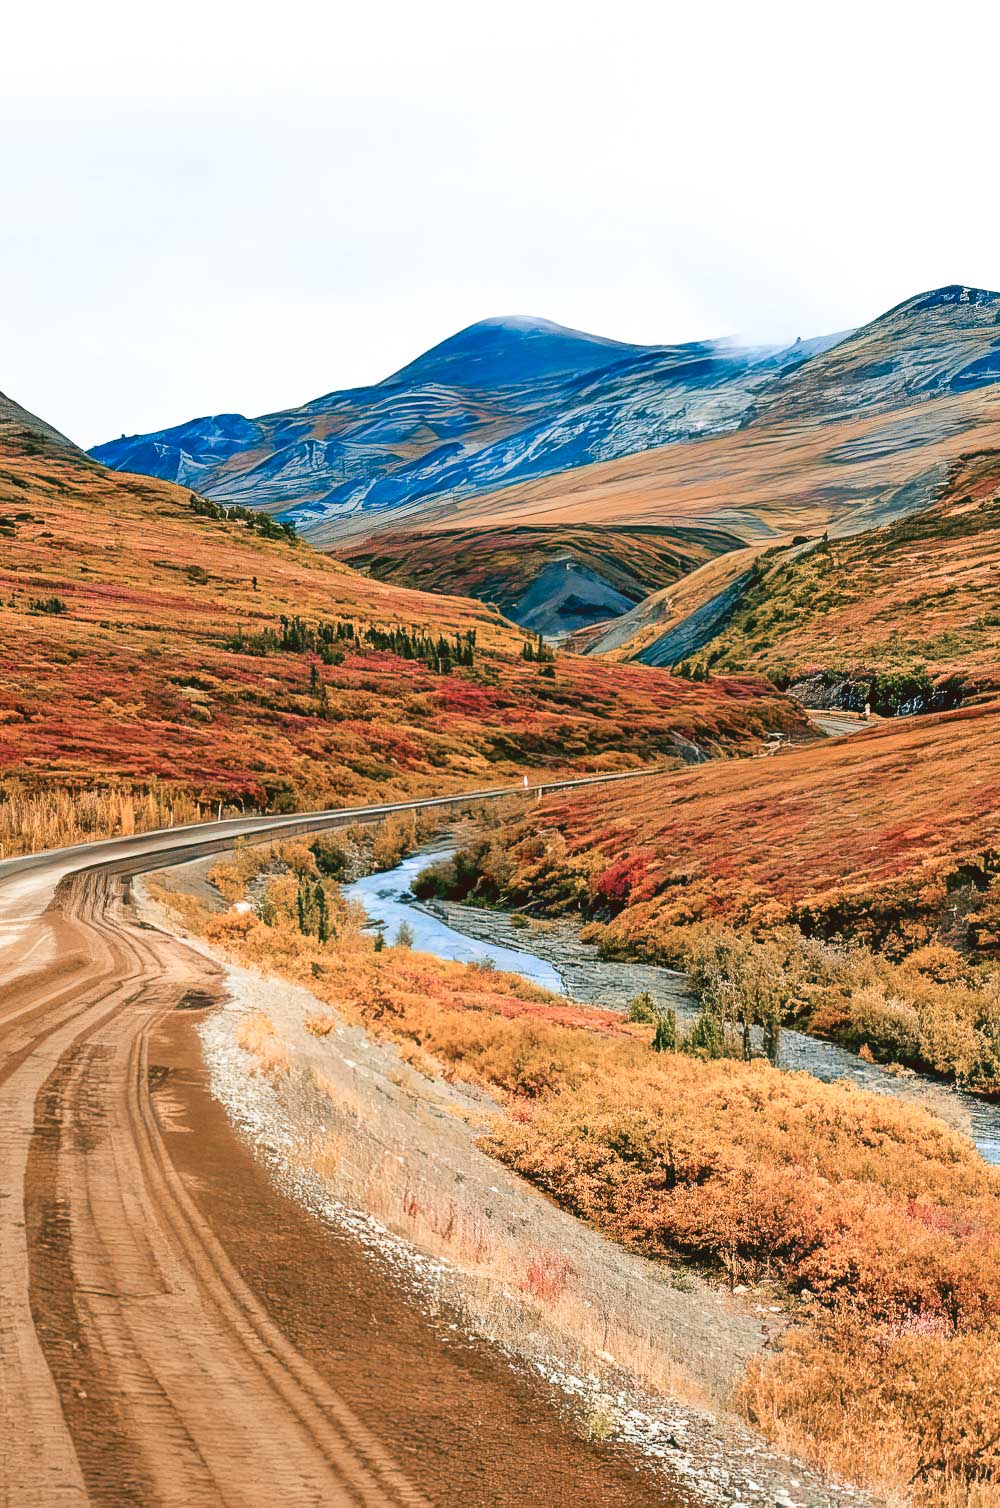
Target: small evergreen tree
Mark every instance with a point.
(707, 1038)
(643, 1008)
(665, 1036)
(322, 913)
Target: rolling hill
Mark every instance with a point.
(903, 615)
(917, 600)
(550, 580)
(848, 837)
(148, 637)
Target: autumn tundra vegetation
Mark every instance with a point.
(878, 1222)
(835, 888)
(900, 615)
(160, 653)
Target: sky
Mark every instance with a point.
(234, 208)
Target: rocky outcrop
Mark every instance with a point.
(701, 626)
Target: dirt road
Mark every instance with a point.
(840, 724)
(172, 1330)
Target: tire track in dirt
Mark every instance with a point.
(138, 1365)
(172, 1381)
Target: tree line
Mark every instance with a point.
(330, 640)
(261, 523)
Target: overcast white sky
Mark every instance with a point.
(209, 207)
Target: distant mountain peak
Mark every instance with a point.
(950, 296)
(507, 350)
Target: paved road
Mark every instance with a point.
(139, 1363)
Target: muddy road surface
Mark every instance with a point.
(173, 1330)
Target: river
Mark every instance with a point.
(564, 965)
(389, 904)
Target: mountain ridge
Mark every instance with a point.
(514, 414)
(507, 397)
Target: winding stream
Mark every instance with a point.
(565, 965)
(389, 904)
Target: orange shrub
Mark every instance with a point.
(880, 1216)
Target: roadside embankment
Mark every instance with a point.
(880, 1219)
(645, 1353)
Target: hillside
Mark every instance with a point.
(550, 580)
(808, 833)
(850, 887)
(503, 400)
(27, 434)
(687, 610)
(916, 600)
(765, 482)
(884, 616)
(889, 837)
(847, 439)
(143, 639)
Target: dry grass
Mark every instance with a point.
(883, 1219)
(54, 817)
(516, 1289)
(257, 1036)
(901, 1411)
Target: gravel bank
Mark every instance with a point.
(378, 1149)
(591, 979)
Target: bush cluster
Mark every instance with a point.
(881, 1218)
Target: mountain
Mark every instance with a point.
(504, 400)
(852, 437)
(148, 639)
(942, 342)
(519, 421)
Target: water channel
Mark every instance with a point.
(566, 966)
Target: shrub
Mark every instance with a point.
(884, 1219)
(643, 1008)
(906, 1406)
(665, 1036)
(707, 1037)
(53, 605)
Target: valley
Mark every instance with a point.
(550, 580)
(667, 1173)
(153, 648)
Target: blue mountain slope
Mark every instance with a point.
(513, 349)
(500, 401)
(514, 399)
